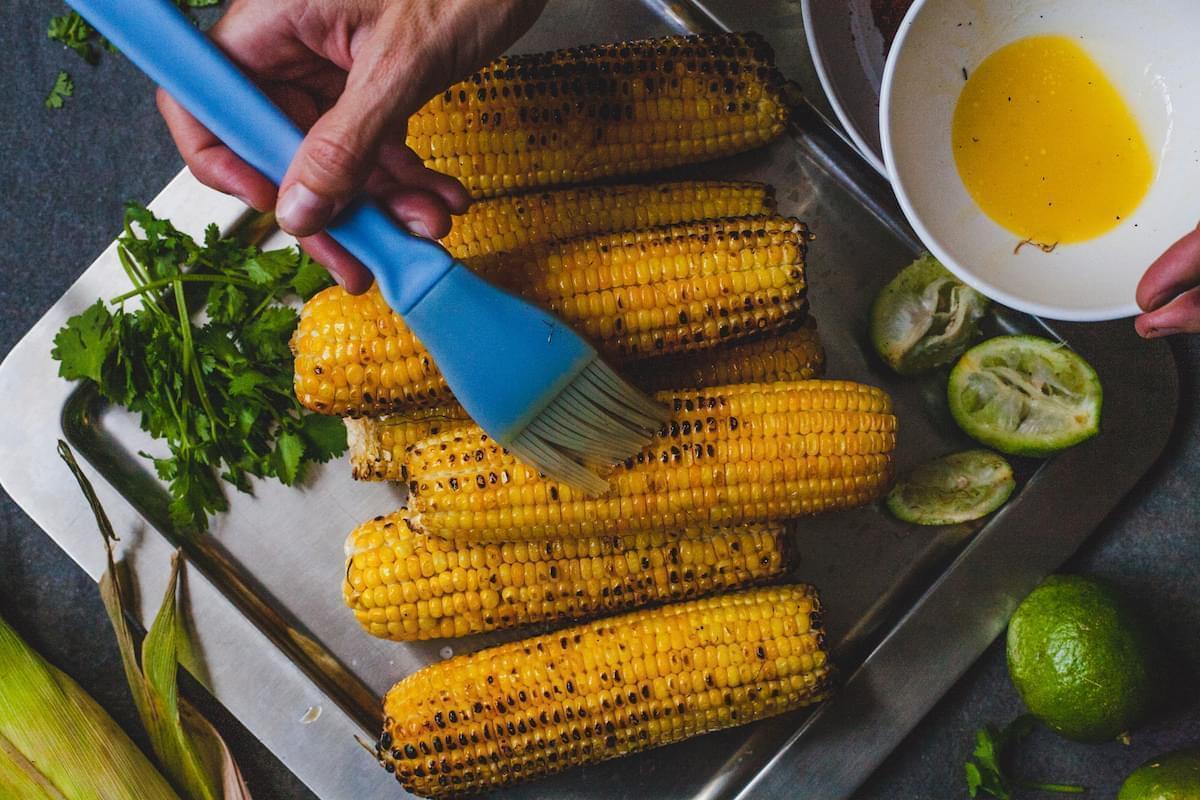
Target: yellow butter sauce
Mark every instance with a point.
(1046, 145)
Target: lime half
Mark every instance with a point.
(1025, 395)
(925, 317)
(952, 489)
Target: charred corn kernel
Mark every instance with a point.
(730, 455)
(378, 445)
(508, 584)
(633, 294)
(475, 723)
(573, 116)
(508, 224)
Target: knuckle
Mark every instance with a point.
(332, 161)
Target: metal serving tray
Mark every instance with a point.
(909, 609)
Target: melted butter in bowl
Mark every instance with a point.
(1103, 122)
(1046, 145)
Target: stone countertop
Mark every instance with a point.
(65, 176)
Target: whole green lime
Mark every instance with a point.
(1175, 776)
(1083, 661)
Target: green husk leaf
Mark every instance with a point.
(57, 743)
(189, 748)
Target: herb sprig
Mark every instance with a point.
(219, 392)
(985, 771)
(73, 32)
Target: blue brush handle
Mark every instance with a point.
(157, 37)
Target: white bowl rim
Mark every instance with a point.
(927, 238)
(835, 99)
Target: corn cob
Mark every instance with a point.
(507, 224)
(378, 445)
(573, 116)
(653, 291)
(406, 587)
(479, 722)
(730, 455)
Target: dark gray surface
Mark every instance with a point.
(65, 175)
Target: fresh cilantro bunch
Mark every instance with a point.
(985, 771)
(218, 391)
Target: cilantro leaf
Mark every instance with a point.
(270, 266)
(72, 30)
(324, 437)
(285, 461)
(266, 337)
(984, 771)
(83, 346)
(63, 88)
(310, 278)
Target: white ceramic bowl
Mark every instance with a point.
(1149, 50)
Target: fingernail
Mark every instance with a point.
(417, 228)
(1158, 333)
(337, 278)
(301, 211)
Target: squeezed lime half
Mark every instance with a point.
(1025, 395)
(956, 488)
(925, 317)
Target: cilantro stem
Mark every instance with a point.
(1061, 788)
(134, 273)
(190, 367)
(163, 283)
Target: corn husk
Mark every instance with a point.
(57, 743)
(189, 749)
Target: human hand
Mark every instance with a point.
(349, 72)
(1170, 291)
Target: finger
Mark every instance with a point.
(1176, 270)
(405, 168)
(214, 164)
(338, 152)
(1181, 315)
(347, 270)
(421, 212)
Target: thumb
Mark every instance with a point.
(340, 150)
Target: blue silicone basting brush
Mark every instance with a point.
(530, 381)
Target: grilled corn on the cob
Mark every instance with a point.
(572, 116)
(648, 292)
(405, 587)
(478, 722)
(378, 445)
(729, 455)
(506, 224)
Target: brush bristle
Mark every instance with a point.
(597, 420)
